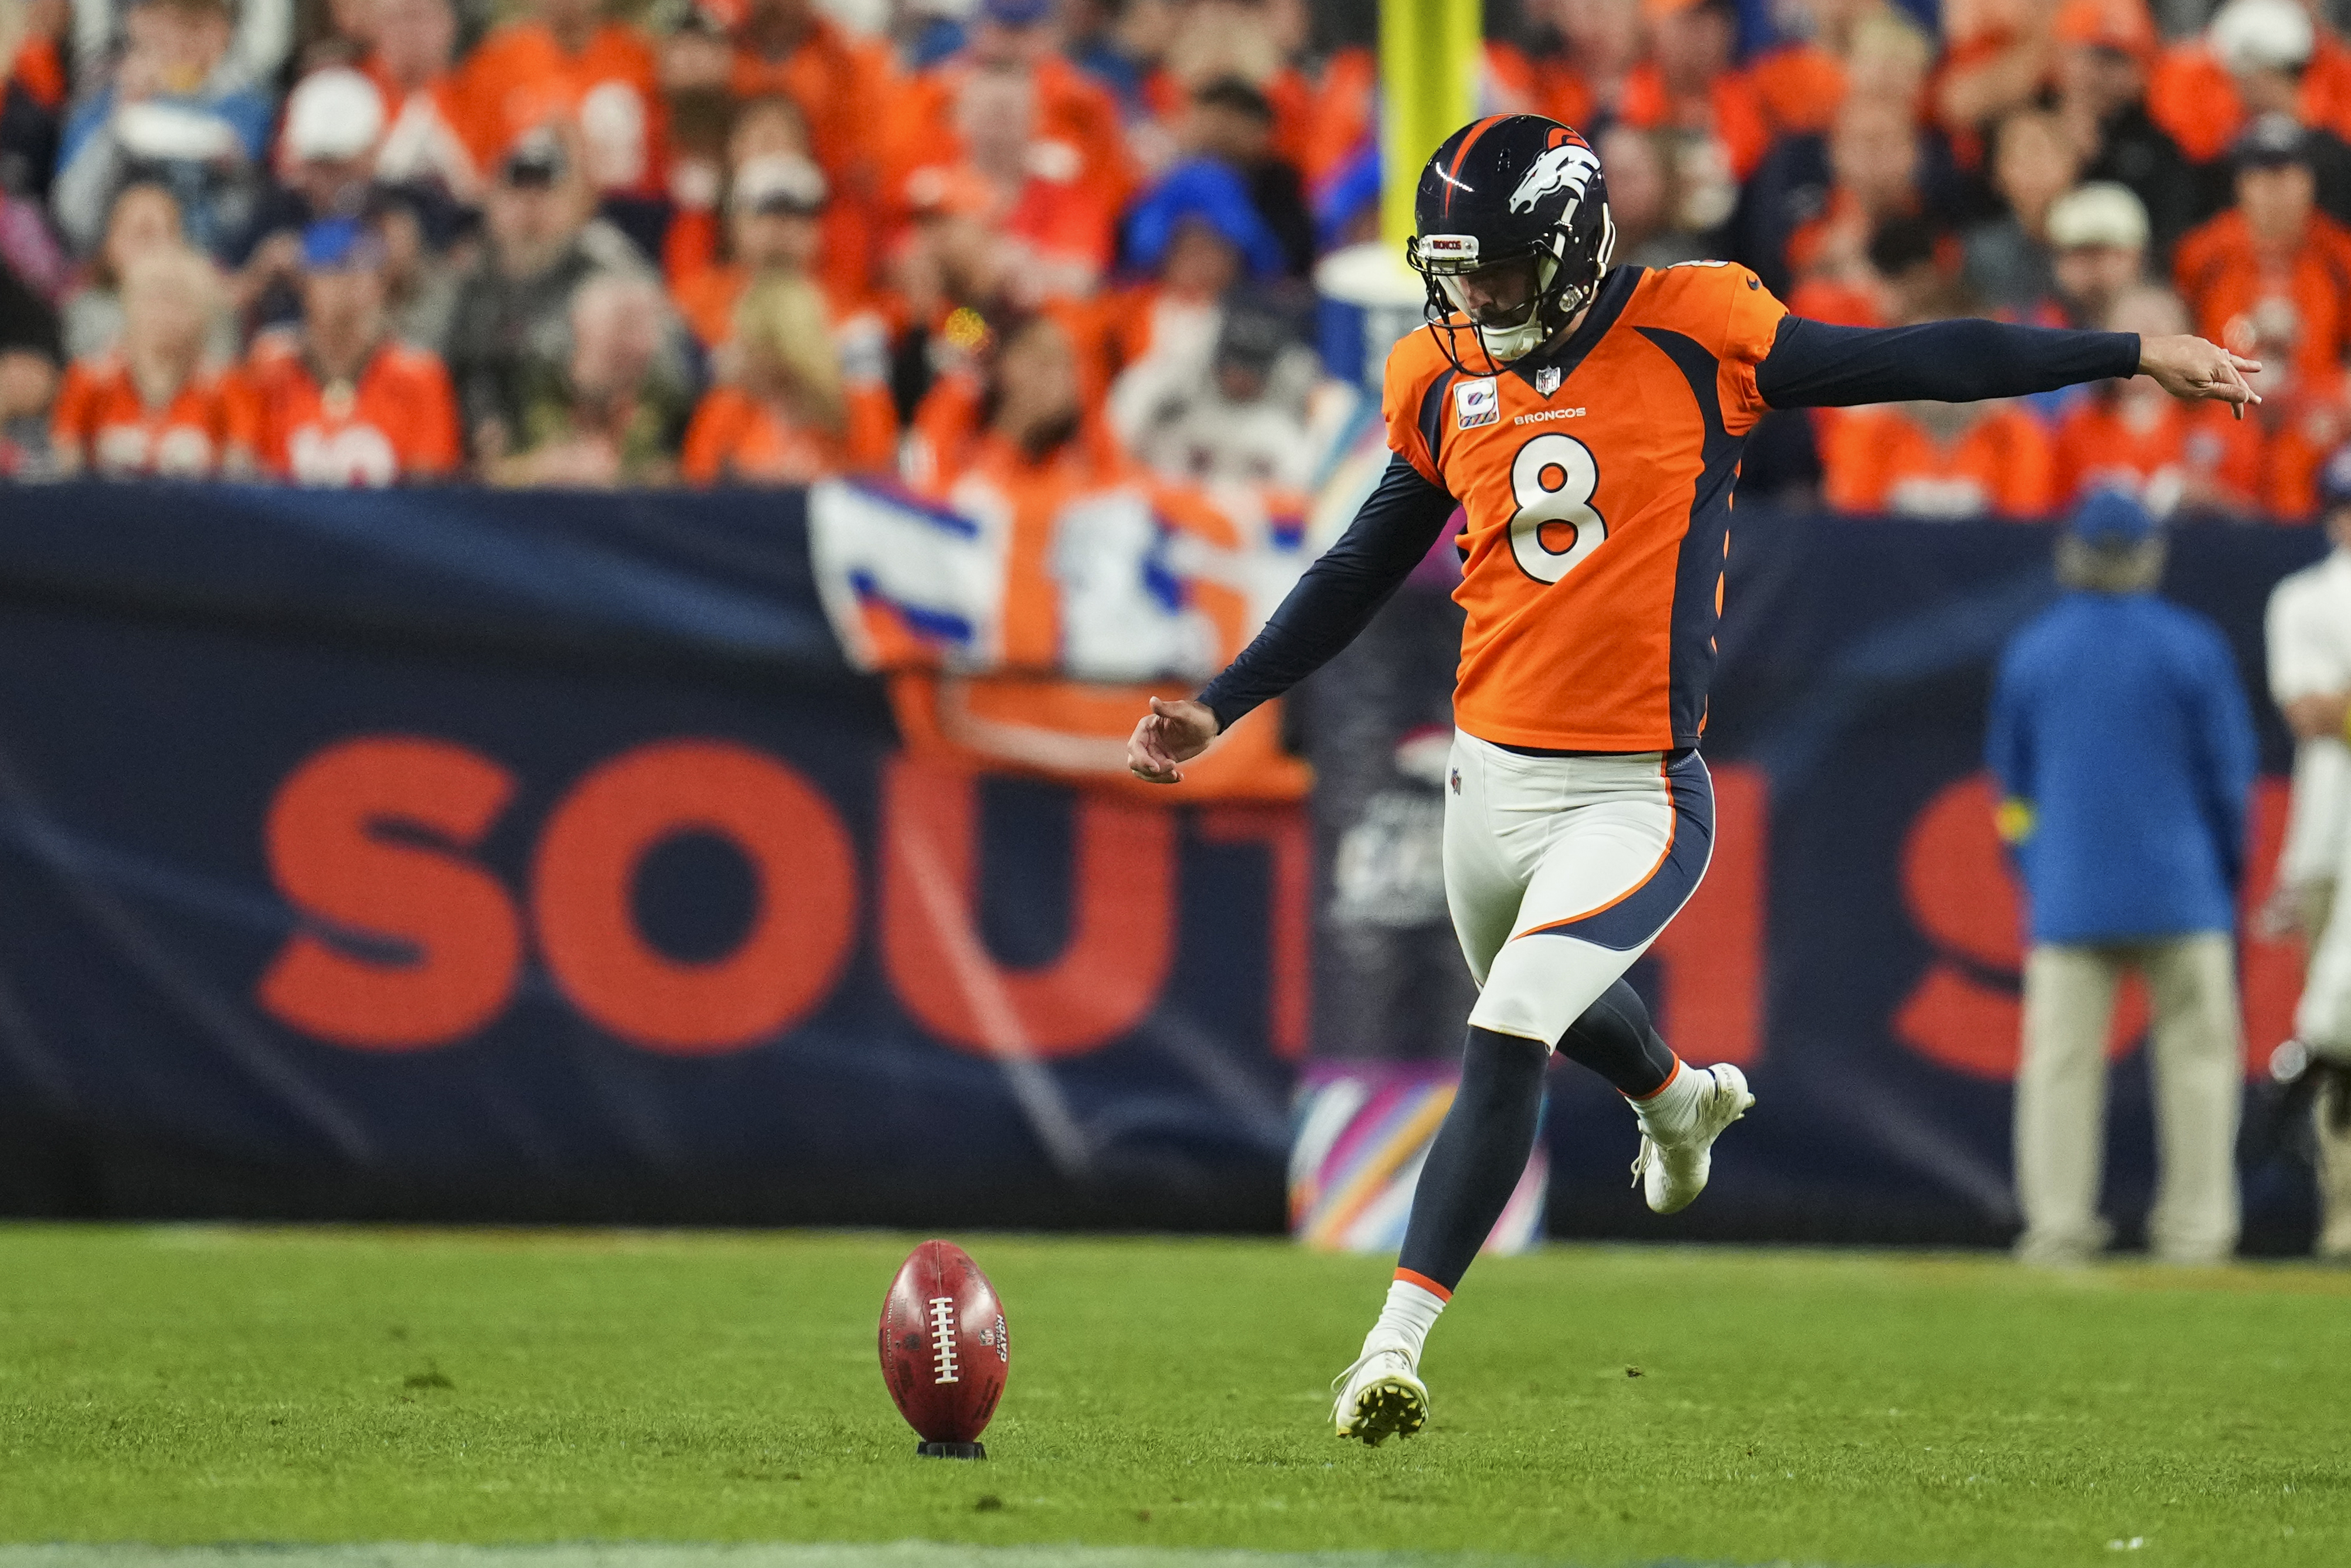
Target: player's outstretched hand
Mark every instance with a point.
(1169, 734)
(2188, 367)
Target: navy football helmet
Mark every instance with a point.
(1501, 189)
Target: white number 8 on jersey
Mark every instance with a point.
(1555, 528)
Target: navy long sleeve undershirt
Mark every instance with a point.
(1811, 365)
(1815, 365)
(1338, 595)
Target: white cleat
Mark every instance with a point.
(1672, 1169)
(1379, 1396)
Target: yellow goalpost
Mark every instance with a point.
(1428, 79)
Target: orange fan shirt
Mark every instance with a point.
(1881, 460)
(115, 432)
(1062, 221)
(2191, 95)
(2306, 424)
(1731, 112)
(694, 244)
(1060, 224)
(707, 302)
(845, 89)
(1073, 110)
(398, 421)
(1839, 304)
(427, 132)
(520, 78)
(2150, 447)
(2226, 282)
(1596, 479)
(1800, 86)
(1342, 120)
(1287, 93)
(1840, 216)
(1346, 107)
(40, 70)
(737, 439)
(1560, 91)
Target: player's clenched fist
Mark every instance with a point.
(2188, 367)
(1169, 734)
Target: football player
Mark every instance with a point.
(1589, 419)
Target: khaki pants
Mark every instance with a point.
(2061, 1095)
(2323, 1020)
(2333, 1177)
(2320, 1022)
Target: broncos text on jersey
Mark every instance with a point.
(1596, 476)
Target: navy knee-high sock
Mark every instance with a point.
(1614, 1038)
(1479, 1154)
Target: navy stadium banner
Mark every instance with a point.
(463, 855)
(487, 856)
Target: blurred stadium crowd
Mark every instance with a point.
(553, 241)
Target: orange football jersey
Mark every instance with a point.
(2240, 297)
(1596, 478)
(846, 87)
(398, 422)
(111, 431)
(736, 439)
(2192, 97)
(707, 302)
(1880, 459)
(520, 78)
(1732, 113)
(2157, 450)
(2307, 424)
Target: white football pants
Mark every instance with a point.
(2061, 1094)
(1560, 870)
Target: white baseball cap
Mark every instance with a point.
(332, 115)
(2262, 34)
(2098, 213)
(778, 183)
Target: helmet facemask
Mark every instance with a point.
(1442, 260)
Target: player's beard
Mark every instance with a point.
(1043, 437)
(1505, 343)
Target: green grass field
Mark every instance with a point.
(188, 1386)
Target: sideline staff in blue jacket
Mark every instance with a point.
(2124, 752)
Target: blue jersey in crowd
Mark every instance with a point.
(2120, 734)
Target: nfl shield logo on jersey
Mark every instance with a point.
(1476, 402)
(1547, 380)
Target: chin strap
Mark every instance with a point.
(1547, 322)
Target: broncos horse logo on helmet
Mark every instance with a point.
(1569, 166)
(1507, 188)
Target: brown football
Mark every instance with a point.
(943, 1352)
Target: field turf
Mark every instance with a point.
(1592, 1404)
